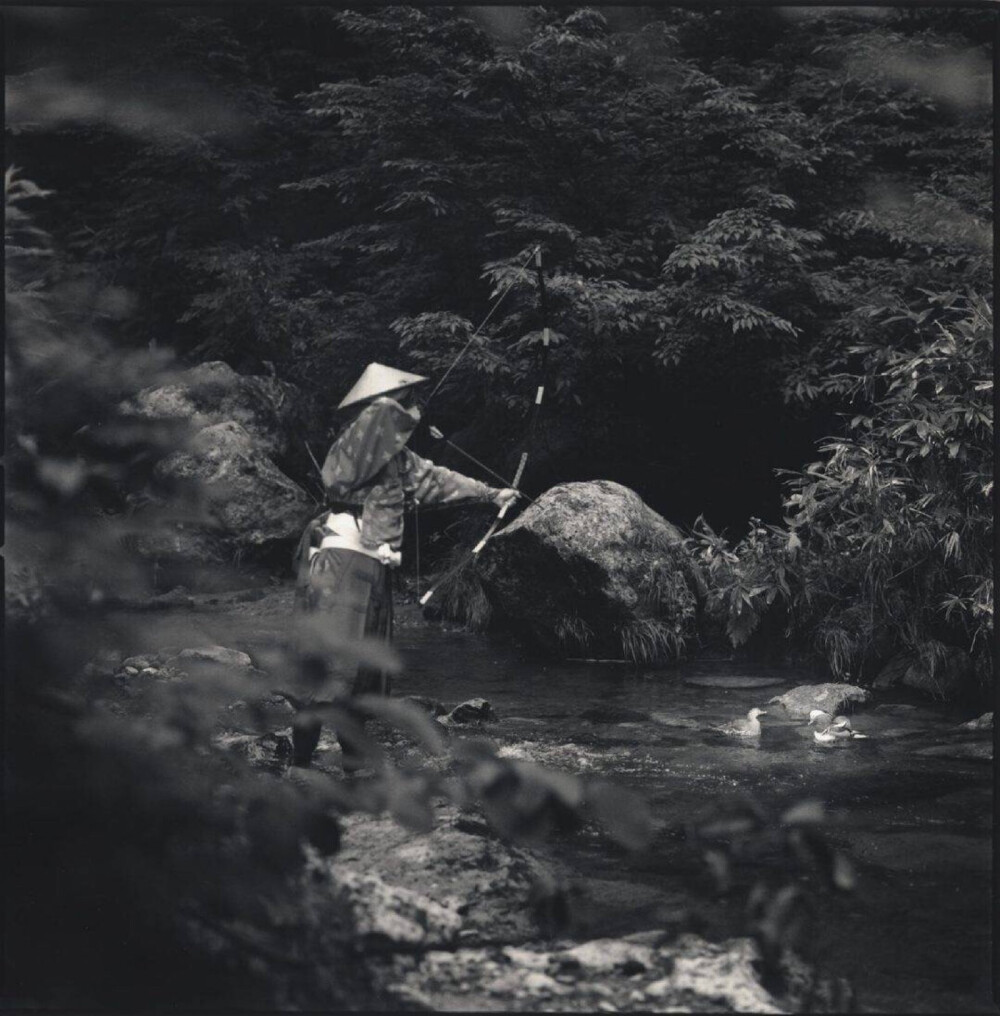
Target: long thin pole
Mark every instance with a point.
(542, 368)
(482, 324)
(416, 534)
(319, 471)
(533, 418)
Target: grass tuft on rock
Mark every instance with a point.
(573, 633)
(649, 640)
(460, 595)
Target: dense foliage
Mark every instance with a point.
(886, 547)
(723, 199)
(753, 223)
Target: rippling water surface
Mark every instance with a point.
(916, 934)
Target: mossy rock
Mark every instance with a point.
(589, 568)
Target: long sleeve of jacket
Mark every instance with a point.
(431, 484)
(370, 465)
(382, 518)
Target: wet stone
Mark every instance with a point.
(726, 971)
(476, 710)
(258, 749)
(526, 957)
(395, 917)
(949, 676)
(831, 697)
(605, 955)
(984, 722)
(215, 654)
(538, 983)
(104, 664)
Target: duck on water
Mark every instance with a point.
(743, 727)
(830, 729)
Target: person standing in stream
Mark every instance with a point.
(345, 555)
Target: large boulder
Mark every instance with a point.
(250, 499)
(250, 511)
(590, 567)
(274, 413)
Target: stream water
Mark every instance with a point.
(916, 934)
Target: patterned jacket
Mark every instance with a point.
(369, 465)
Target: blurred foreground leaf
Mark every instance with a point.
(624, 814)
(406, 717)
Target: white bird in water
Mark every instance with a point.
(822, 720)
(749, 727)
(830, 729)
(831, 734)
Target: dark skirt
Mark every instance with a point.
(354, 594)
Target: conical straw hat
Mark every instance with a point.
(377, 379)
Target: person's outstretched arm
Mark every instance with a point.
(432, 484)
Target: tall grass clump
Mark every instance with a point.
(459, 592)
(649, 640)
(572, 633)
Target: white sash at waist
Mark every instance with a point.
(342, 543)
(346, 535)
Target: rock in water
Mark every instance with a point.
(589, 566)
(980, 722)
(829, 697)
(476, 710)
(213, 654)
(605, 955)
